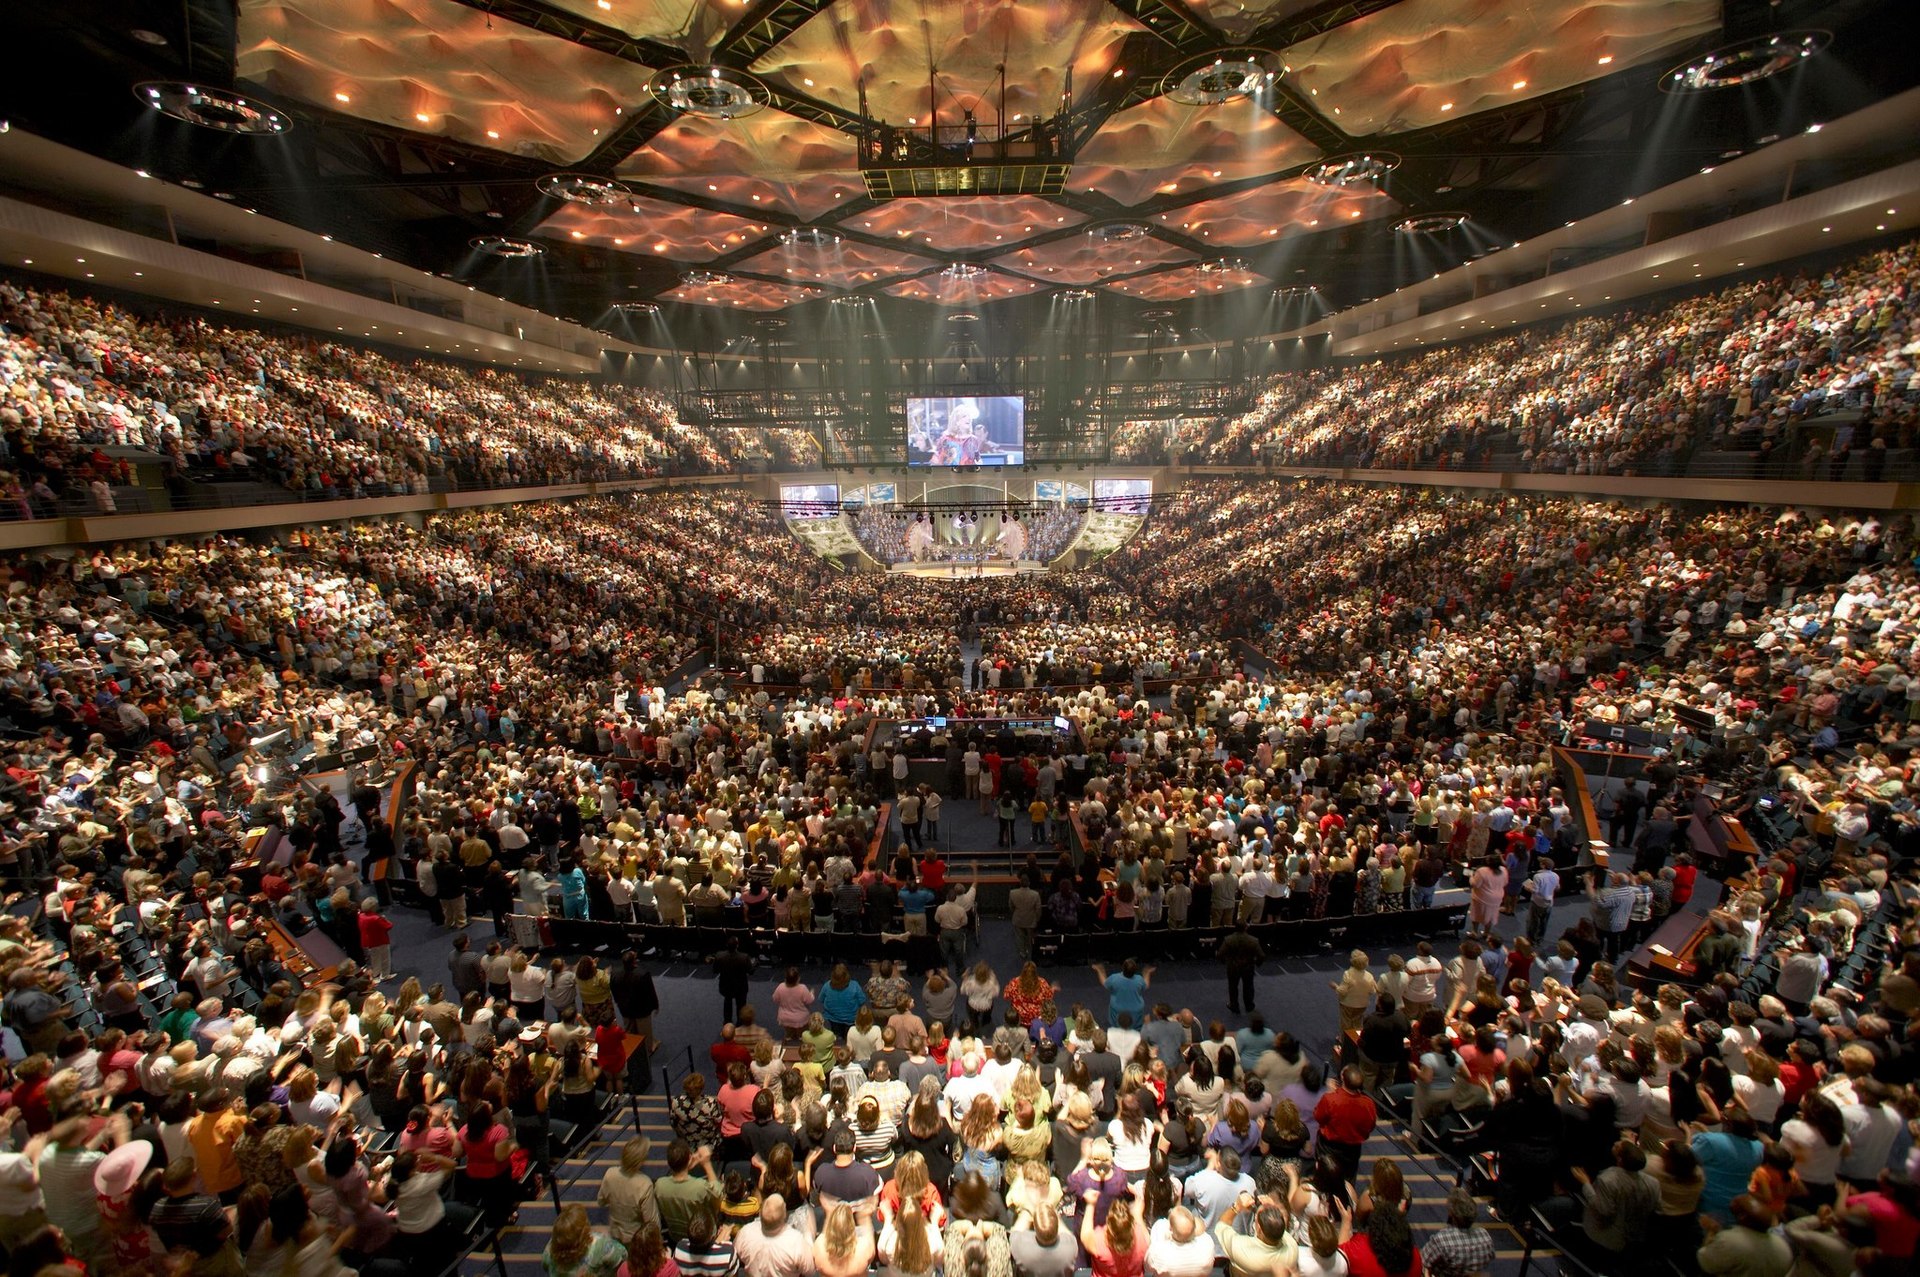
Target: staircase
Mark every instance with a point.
(1429, 1178)
(578, 1180)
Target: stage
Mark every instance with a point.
(966, 571)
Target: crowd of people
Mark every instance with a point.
(211, 401)
(1750, 368)
(1411, 657)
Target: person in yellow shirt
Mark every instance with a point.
(1037, 814)
(213, 1133)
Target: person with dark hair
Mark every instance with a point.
(734, 966)
(1385, 1249)
(681, 1198)
(1242, 955)
(1266, 1248)
(1749, 1247)
(1461, 1247)
(1345, 1117)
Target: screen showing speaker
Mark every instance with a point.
(810, 500)
(967, 430)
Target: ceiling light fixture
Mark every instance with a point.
(963, 272)
(809, 237)
(1118, 232)
(504, 246)
(851, 299)
(584, 188)
(706, 278)
(709, 92)
(216, 109)
(1430, 223)
(1219, 78)
(1344, 171)
(1745, 61)
(1222, 266)
(1075, 294)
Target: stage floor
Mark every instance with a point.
(965, 571)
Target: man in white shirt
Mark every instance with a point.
(770, 1247)
(1178, 1248)
(1423, 981)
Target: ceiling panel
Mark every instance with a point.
(1184, 282)
(891, 46)
(1163, 148)
(963, 225)
(1084, 259)
(1240, 18)
(744, 294)
(696, 22)
(848, 264)
(653, 228)
(1270, 213)
(440, 69)
(947, 291)
(771, 160)
(1423, 62)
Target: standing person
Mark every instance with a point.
(1489, 889)
(1423, 981)
(635, 997)
(1009, 813)
(910, 811)
(930, 812)
(1355, 989)
(734, 967)
(954, 919)
(1024, 904)
(1346, 1117)
(1127, 991)
(376, 937)
(1242, 955)
(792, 1003)
(1541, 890)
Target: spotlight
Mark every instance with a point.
(963, 272)
(1118, 232)
(1075, 294)
(706, 278)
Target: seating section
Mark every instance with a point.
(1804, 373)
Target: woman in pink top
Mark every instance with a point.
(793, 1003)
(1489, 888)
(735, 1097)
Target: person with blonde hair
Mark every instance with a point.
(843, 1248)
(907, 1246)
(626, 1191)
(911, 1185)
(1355, 989)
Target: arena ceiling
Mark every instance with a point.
(420, 124)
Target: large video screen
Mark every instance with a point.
(971, 430)
(810, 500)
(1123, 496)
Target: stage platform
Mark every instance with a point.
(966, 571)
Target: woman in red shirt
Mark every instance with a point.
(1118, 1249)
(1386, 1249)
